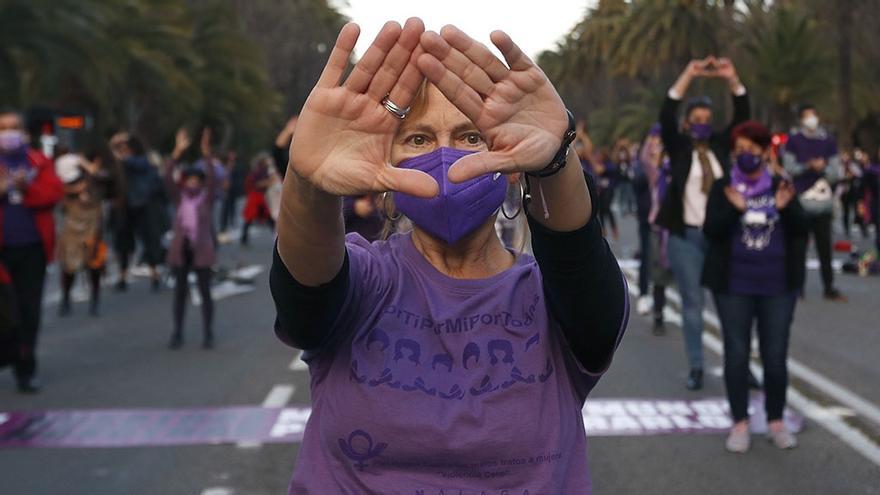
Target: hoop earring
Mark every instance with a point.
(386, 210)
(522, 195)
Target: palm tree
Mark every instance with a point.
(296, 37)
(591, 42)
(787, 62)
(658, 34)
(43, 43)
(231, 73)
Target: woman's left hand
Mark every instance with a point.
(181, 143)
(514, 106)
(784, 194)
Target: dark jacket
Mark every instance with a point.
(680, 149)
(204, 253)
(141, 179)
(721, 220)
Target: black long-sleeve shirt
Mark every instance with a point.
(680, 149)
(583, 285)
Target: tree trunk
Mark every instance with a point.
(845, 12)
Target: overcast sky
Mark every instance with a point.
(535, 25)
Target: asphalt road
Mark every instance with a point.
(119, 361)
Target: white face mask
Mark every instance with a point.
(811, 122)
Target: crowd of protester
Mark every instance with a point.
(718, 208)
(725, 209)
(118, 205)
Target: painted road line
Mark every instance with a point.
(810, 409)
(218, 490)
(278, 397)
(812, 264)
(799, 370)
(833, 423)
(255, 425)
(298, 364)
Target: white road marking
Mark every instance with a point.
(248, 272)
(279, 396)
(838, 392)
(218, 490)
(825, 417)
(812, 264)
(298, 364)
(224, 289)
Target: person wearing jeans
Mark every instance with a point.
(698, 157)
(756, 231)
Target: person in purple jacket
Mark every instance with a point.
(440, 361)
(192, 246)
(812, 160)
(754, 267)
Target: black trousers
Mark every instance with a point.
(141, 223)
(27, 269)
(850, 203)
(645, 259)
(227, 212)
(820, 228)
(606, 216)
(181, 290)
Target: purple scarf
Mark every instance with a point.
(760, 218)
(188, 213)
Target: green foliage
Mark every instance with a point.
(619, 60)
(150, 66)
(787, 64)
(659, 32)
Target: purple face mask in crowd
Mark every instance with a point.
(748, 163)
(701, 132)
(459, 208)
(11, 140)
(191, 191)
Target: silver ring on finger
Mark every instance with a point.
(394, 108)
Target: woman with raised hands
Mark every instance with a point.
(440, 361)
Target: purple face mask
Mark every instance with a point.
(11, 140)
(459, 208)
(191, 191)
(748, 163)
(701, 132)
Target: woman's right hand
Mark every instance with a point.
(343, 136)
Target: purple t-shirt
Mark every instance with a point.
(431, 385)
(757, 257)
(805, 148)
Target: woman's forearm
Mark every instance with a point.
(311, 233)
(567, 200)
(679, 89)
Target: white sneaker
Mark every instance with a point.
(644, 305)
(782, 439)
(738, 441)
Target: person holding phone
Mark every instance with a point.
(756, 230)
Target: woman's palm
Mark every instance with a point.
(343, 137)
(342, 142)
